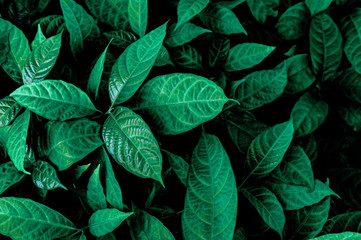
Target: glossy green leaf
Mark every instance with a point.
(163, 58)
(54, 100)
(351, 113)
(218, 51)
(231, 4)
(94, 194)
(316, 6)
(138, 16)
(348, 85)
(210, 207)
(105, 221)
(121, 38)
(179, 102)
(134, 65)
(293, 23)
(345, 222)
(42, 60)
(39, 39)
(188, 57)
(36, 220)
(183, 34)
(9, 176)
(221, 20)
(66, 143)
(260, 9)
(187, 9)
(132, 144)
(340, 236)
(325, 46)
(44, 176)
(9, 109)
(16, 143)
(259, 88)
(246, 55)
(179, 166)
(293, 197)
(308, 114)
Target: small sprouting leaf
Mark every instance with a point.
(183, 34)
(134, 65)
(54, 100)
(210, 207)
(179, 166)
(340, 236)
(218, 51)
(94, 193)
(16, 143)
(121, 38)
(179, 102)
(44, 176)
(246, 55)
(132, 144)
(42, 60)
(316, 6)
(37, 221)
(188, 57)
(293, 23)
(221, 20)
(9, 176)
(163, 58)
(106, 220)
(9, 109)
(308, 114)
(268, 207)
(260, 9)
(259, 88)
(138, 16)
(187, 9)
(39, 39)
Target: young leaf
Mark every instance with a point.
(105, 221)
(293, 23)
(184, 34)
(132, 144)
(187, 9)
(246, 55)
(325, 46)
(218, 51)
(37, 221)
(179, 102)
(138, 16)
(340, 236)
(163, 58)
(54, 100)
(9, 176)
(134, 65)
(260, 9)
(316, 6)
(16, 143)
(179, 166)
(39, 39)
(44, 177)
(259, 88)
(308, 114)
(42, 60)
(94, 193)
(121, 38)
(9, 109)
(188, 57)
(221, 20)
(268, 207)
(210, 207)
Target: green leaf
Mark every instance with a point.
(309, 144)
(221, 20)
(53, 24)
(187, 9)
(40, 6)
(9, 109)
(134, 64)
(293, 197)
(163, 58)
(138, 16)
(109, 236)
(79, 170)
(96, 75)
(218, 51)
(183, 34)
(345, 222)
(42, 60)
(147, 227)
(112, 188)
(293, 23)
(39, 39)
(325, 46)
(4, 133)
(16, 143)
(316, 6)
(94, 193)
(44, 176)
(246, 55)
(9, 176)
(268, 207)
(231, 4)
(308, 114)
(310, 221)
(259, 88)
(348, 85)
(121, 38)
(66, 143)
(54, 100)
(351, 113)
(179, 166)
(340, 236)
(37, 221)
(179, 102)
(188, 57)
(210, 207)
(105, 221)
(239, 234)
(132, 144)
(260, 9)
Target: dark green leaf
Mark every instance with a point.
(9, 109)
(187, 9)
(94, 193)
(345, 222)
(40, 6)
(44, 176)
(231, 3)
(218, 51)
(309, 145)
(138, 16)
(183, 34)
(53, 24)
(348, 85)
(9, 176)
(239, 234)
(351, 113)
(316, 6)
(39, 39)
(179, 166)
(79, 170)
(260, 9)
(163, 58)
(188, 57)
(121, 38)
(109, 236)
